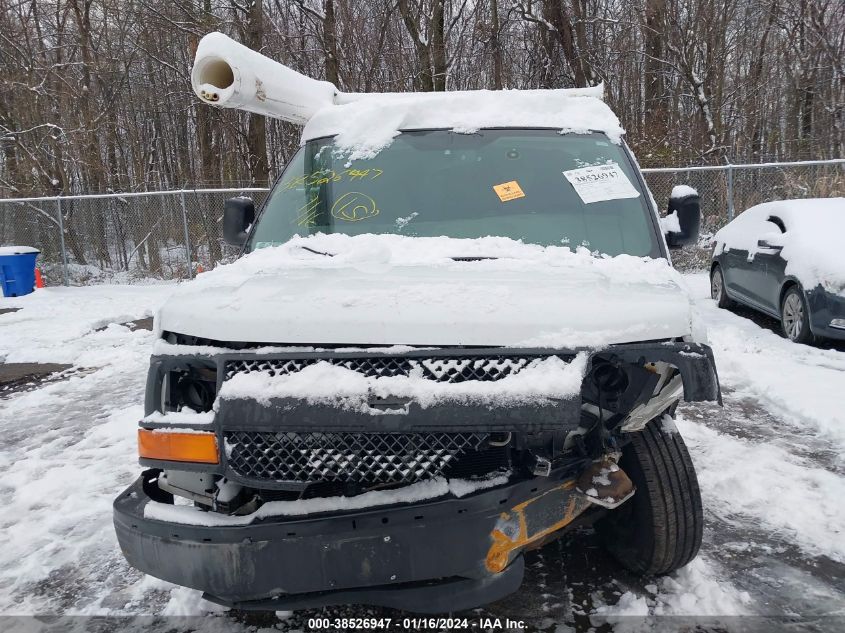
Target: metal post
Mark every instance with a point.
(62, 241)
(187, 239)
(730, 192)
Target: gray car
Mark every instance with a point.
(778, 258)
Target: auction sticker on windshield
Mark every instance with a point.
(601, 182)
(509, 191)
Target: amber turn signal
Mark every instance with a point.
(172, 446)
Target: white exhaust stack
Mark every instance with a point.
(230, 75)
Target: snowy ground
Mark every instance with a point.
(770, 464)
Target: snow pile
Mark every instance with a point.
(186, 602)
(695, 591)
(414, 493)
(629, 604)
(59, 325)
(812, 244)
(542, 381)
(367, 125)
(670, 223)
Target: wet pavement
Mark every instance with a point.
(18, 377)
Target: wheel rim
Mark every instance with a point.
(793, 316)
(716, 286)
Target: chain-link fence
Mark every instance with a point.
(141, 237)
(730, 189)
(122, 238)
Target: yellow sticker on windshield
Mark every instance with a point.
(509, 191)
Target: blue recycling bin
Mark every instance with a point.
(17, 270)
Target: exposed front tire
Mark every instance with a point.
(795, 317)
(660, 528)
(717, 289)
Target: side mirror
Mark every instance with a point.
(688, 211)
(238, 215)
(769, 245)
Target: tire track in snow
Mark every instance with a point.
(769, 511)
(61, 475)
(770, 464)
(743, 417)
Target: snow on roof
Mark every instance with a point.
(812, 243)
(364, 124)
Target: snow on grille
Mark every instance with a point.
(451, 370)
(358, 457)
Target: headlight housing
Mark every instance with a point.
(191, 386)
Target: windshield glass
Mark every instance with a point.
(528, 185)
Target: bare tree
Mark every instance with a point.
(95, 94)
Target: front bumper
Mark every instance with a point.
(434, 556)
(431, 556)
(825, 307)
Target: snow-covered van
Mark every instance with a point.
(453, 334)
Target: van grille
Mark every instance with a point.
(367, 458)
(444, 369)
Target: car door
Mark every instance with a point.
(739, 265)
(737, 270)
(770, 268)
(765, 267)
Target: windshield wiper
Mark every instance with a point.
(316, 252)
(473, 258)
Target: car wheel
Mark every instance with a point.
(659, 529)
(717, 289)
(794, 316)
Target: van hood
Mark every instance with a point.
(524, 303)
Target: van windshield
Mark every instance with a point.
(538, 186)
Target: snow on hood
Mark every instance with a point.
(367, 125)
(812, 244)
(397, 290)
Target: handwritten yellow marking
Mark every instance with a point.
(307, 214)
(357, 173)
(509, 191)
(325, 176)
(296, 182)
(354, 207)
